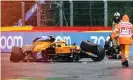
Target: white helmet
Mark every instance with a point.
(117, 14)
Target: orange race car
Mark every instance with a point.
(49, 50)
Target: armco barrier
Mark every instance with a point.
(14, 38)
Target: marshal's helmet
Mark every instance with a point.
(117, 14)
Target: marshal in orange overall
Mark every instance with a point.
(125, 31)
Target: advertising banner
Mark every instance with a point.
(10, 39)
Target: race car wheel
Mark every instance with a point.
(16, 54)
(95, 49)
(88, 46)
(100, 53)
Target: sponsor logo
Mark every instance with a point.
(61, 38)
(99, 39)
(10, 41)
(65, 38)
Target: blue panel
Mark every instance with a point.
(9, 39)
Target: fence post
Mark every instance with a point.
(38, 14)
(90, 13)
(61, 13)
(105, 13)
(71, 13)
(23, 13)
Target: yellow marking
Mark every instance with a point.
(16, 28)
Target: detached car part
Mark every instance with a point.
(112, 52)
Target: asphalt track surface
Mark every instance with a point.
(104, 70)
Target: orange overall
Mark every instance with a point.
(125, 31)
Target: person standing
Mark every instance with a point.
(116, 21)
(125, 35)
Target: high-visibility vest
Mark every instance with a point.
(125, 32)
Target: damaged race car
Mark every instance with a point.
(112, 51)
(49, 50)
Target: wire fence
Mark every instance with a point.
(123, 7)
(85, 13)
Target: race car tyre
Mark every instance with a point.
(95, 49)
(88, 46)
(16, 54)
(100, 53)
